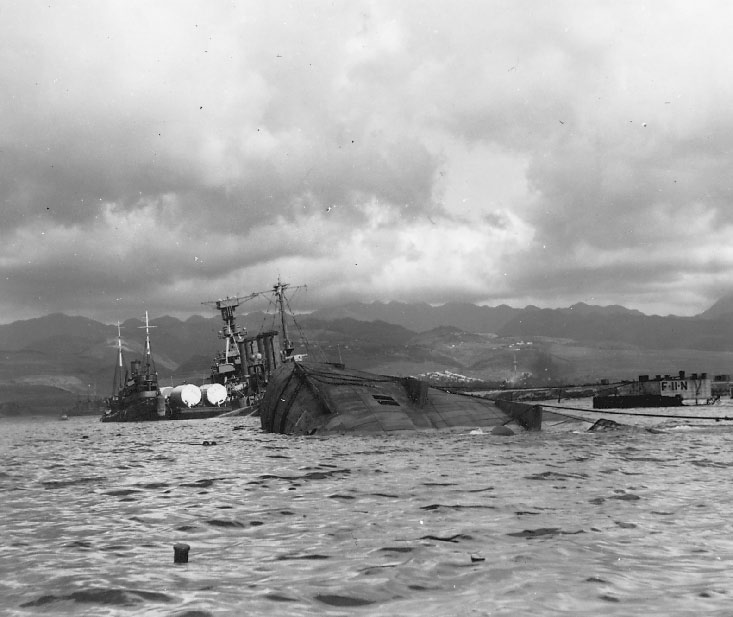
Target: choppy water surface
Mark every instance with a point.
(563, 523)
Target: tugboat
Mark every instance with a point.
(136, 395)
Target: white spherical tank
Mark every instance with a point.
(166, 391)
(213, 394)
(185, 395)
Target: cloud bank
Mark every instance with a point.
(155, 156)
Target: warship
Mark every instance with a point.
(240, 372)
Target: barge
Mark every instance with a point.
(659, 391)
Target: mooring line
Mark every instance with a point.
(636, 414)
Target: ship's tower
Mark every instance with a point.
(278, 289)
(234, 358)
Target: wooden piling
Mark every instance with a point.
(180, 553)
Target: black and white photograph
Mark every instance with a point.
(388, 308)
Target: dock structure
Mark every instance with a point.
(658, 391)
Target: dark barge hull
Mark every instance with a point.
(137, 409)
(197, 413)
(307, 398)
(628, 401)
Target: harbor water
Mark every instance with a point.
(561, 522)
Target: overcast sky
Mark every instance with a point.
(156, 155)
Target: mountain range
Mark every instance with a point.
(48, 362)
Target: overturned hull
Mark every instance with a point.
(305, 398)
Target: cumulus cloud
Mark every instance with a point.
(162, 154)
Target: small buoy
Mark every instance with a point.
(180, 553)
(502, 430)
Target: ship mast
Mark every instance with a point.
(148, 355)
(118, 378)
(233, 334)
(120, 361)
(279, 291)
(227, 307)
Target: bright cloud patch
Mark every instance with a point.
(162, 154)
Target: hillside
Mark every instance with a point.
(65, 357)
(722, 309)
(423, 317)
(647, 332)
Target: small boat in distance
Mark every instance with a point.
(135, 394)
(86, 405)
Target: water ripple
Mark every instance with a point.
(430, 524)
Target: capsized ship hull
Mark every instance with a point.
(308, 398)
